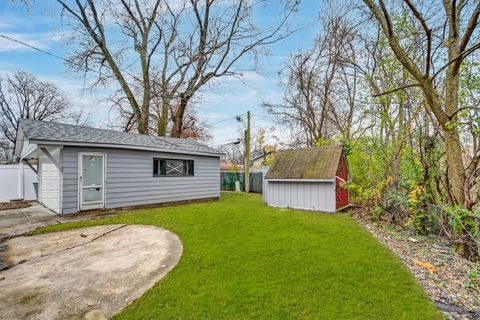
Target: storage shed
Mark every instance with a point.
(83, 168)
(309, 179)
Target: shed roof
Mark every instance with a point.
(311, 163)
(58, 133)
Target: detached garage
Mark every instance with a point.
(83, 168)
(310, 179)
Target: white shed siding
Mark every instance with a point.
(312, 195)
(50, 179)
(130, 180)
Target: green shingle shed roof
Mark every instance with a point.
(312, 163)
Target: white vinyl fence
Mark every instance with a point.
(17, 181)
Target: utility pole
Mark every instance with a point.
(247, 154)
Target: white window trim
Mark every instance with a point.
(173, 176)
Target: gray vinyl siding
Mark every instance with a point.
(130, 180)
(317, 196)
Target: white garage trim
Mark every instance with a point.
(52, 158)
(50, 177)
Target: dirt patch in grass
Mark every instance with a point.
(451, 281)
(15, 205)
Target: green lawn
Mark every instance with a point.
(244, 260)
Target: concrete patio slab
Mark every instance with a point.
(88, 273)
(16, 222)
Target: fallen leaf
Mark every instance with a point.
(425, 265)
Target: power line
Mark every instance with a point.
(89, 69)
(32, 47)
(226, 119)
(56, 56)
(47, 53)
(226, 142)
(71, 62)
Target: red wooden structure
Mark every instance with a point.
(341, 180)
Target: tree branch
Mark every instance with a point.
(396, 89)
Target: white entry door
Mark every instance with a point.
(91, 180)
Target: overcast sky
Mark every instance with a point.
(40, 26)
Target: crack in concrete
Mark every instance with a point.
(84, 243)
(26, 218)
(6, 267)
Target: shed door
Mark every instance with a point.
(91, 180)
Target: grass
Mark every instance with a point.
(244, 260)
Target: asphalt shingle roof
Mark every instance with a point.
(312, 163)
(66, 133)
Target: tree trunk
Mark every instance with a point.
(145, 116)
(179, 113)
(453, 147)
(162, 120)
(456, 168)
(142, 124)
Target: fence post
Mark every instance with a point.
(20, 181)
(264, 184)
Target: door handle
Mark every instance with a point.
(97, 189)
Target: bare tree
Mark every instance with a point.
(109, 53)
(176, 49)
(234, 154)
(348, 79)
(470, 104)
(304, 108)
(22, 96)
(438, 80)
(206, 40)
(320, 94)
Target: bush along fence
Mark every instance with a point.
(228, 179)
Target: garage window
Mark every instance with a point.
(172, 167)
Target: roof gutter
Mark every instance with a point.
(300, 180)
(123, 146)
